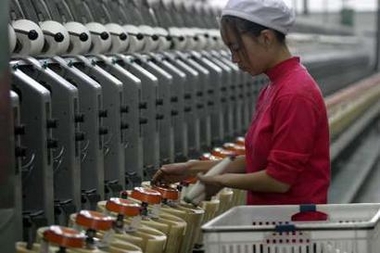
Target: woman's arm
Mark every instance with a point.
(236, 166)
(176, 172)
(258, 181)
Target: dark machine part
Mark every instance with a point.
(8, 223)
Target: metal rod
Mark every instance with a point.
(295, 6)
(7, 171)
(376, 66)
(305, 7)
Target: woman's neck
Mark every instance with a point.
(280, 54)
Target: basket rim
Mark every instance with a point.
(210, 227)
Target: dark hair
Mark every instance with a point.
(240, 26)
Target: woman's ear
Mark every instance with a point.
(267, 38)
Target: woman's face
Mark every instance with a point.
(249, 53)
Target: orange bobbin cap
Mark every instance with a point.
(190, 180)
(146, 195)
(220, 152)
(209, 157)
(64, 237)
(123, 206)
(240, 141)
(167, 192)
(238, 149)
(94, 220)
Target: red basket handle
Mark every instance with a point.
(309, 213)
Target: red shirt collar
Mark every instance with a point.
(282, 68)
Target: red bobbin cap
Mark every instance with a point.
(123, 206)
(240, 141)
(209, 157)
(64, 237)
(220, 152)
(167, 192)
(190, 180)
(146, 195)
(238, 149)
(94, 220)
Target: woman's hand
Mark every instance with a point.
(177, 172)
(171, 173)
(213, 184)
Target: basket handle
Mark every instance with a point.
(309, 213)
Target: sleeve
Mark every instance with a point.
(294, 129)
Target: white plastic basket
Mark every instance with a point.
(349, 228)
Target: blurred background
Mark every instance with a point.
(359, 17)
(97, 95)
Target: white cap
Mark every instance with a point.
(274, 14)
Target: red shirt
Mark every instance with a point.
(289, 137)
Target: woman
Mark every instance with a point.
(287, 143)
